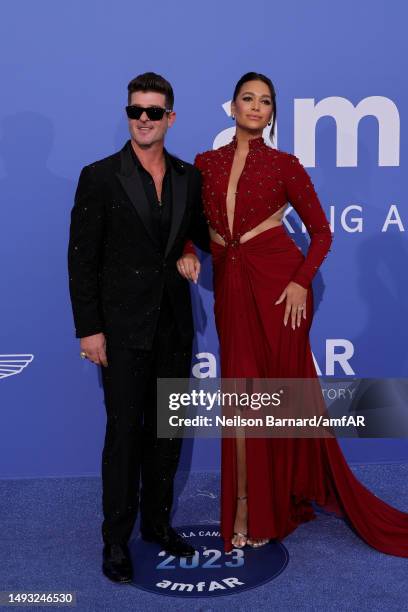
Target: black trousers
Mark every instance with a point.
(138, 468)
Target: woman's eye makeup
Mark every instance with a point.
(249, 98)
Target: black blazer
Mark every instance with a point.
(117, 271)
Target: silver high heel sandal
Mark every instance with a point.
(253, 544)
(238, 533)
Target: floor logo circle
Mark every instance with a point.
(210, 572)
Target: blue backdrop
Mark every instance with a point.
(342, 97)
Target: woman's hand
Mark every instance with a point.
(189, 267)
(295, 303)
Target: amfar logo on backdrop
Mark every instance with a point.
(347, 118)
(13, 364)
(338, 351)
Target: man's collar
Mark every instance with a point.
(177, 164)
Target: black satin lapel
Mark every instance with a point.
(133, 186)
(179, 194)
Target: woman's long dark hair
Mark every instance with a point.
(257, 76)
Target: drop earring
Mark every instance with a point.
(269, 122)
(233, 117)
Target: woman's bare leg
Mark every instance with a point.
(240, 525)
(241, 516)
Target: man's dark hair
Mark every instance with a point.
(257, 76)
(150, 81)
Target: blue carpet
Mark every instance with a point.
(51, 541)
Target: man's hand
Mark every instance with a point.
(95, 348)
(189, 267)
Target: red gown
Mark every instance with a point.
(284, 475)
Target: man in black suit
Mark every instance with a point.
(134, 212)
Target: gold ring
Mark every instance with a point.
(82, 354)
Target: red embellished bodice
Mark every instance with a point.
(269, 180)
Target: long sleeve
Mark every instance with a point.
(189, 248)
(302, 195)
(84, 254)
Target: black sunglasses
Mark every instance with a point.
(155, 113)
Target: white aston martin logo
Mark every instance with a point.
(13, 364)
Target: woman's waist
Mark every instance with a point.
(275, 238)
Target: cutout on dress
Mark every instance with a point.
(273, 221)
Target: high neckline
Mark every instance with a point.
(253, 143)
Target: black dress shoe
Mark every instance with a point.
(117, 565)
(169, 540)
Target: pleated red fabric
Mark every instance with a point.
(284, 475)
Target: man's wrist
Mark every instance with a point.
(85, 333)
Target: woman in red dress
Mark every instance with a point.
(263, 312)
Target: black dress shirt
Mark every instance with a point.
(160, 210)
